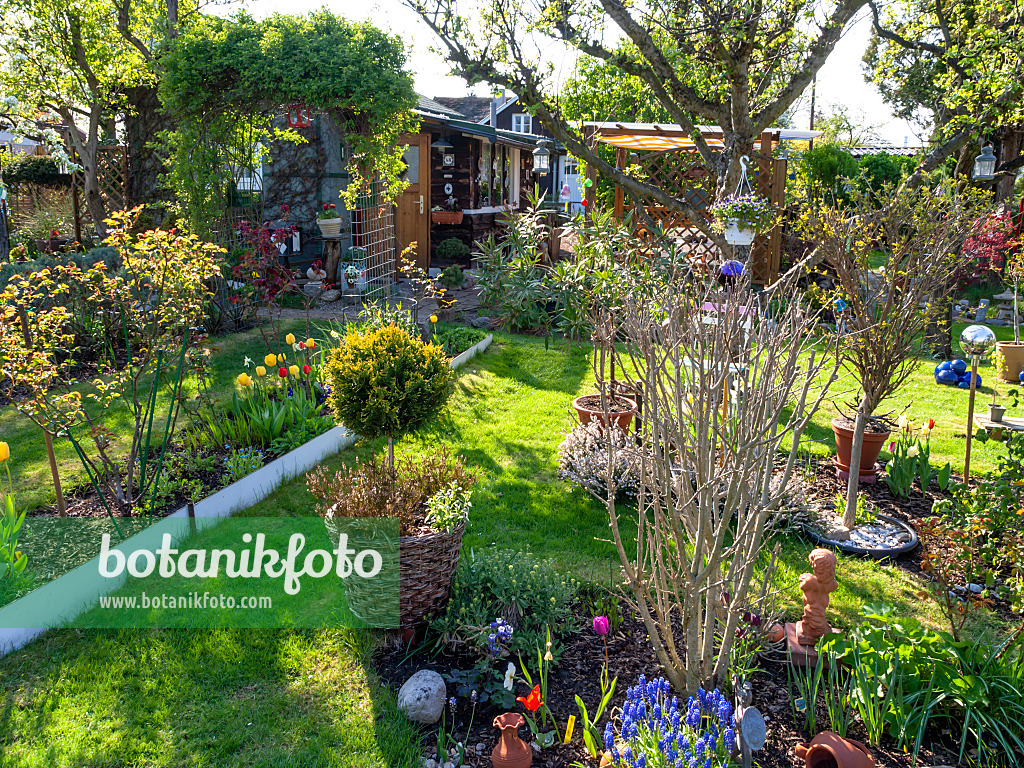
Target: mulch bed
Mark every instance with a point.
(577, 672)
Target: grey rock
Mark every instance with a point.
(481, 322)
(976, 588)
(311, 288)
(422, 697)
(331, 295)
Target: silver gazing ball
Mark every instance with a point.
(976, 340)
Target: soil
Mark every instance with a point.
(873, 426)
(577, 673)
(615, 405)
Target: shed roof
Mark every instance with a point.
(656, 137)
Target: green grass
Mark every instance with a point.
(221, 697)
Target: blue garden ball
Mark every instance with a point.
(732, 268)
(960, 366)
(966, 380)
(947, 377)
(1020, 376)
(965, 384)
(945, 365)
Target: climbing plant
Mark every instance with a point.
(227, 79)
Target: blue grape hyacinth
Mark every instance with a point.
(656, 729)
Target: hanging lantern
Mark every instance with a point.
(985, 165)
(299, 116)
(542, 158)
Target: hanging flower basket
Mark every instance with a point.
(742, 217)
(736, 233)
(446, 217)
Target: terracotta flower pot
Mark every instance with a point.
(830, 750)
(588, 412)
(1011, 360)
(446, 217)
(511, 752)
(873, 442)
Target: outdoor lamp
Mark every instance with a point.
(542, 158)
(975, 341)
(443, 144)
(985, 165)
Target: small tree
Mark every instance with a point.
(386, 383)
(727, 381)
(920, 232)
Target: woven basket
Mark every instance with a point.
(428, 563)
(447, 217)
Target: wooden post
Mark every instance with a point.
(620, 196)
(759, 258)
(970, 418)
(61, 508)
(778, 199)
(590, 193)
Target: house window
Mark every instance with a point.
(522, 123)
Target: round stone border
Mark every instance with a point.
(877, 554)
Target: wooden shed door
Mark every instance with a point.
(412, 208)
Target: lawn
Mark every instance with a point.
(189, 697)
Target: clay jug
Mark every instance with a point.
(511, 752)
(830, 750)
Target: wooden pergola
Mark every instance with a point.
(669, 158)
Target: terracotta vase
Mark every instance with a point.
(830, 750)
(511, 752)
(873, 442)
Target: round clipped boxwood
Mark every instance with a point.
(385, 383)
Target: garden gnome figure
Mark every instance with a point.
(816, 586)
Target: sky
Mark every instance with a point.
(840, 80)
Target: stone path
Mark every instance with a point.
(467, 304)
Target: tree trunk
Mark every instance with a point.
(1009, 150)
(145, 119)
(856, 449)
(87, 151)
(939, 334)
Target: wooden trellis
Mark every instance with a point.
(681, 173)
(111, 178)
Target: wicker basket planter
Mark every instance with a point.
(427, 565)
(446, 217)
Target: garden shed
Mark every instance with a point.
(668, 157)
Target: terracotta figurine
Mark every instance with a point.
(816, 587)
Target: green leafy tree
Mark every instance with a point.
(226, 79)
(737, 65)
(76, 60)
(953, 66)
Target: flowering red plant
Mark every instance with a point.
(533, 701)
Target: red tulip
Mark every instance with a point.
(531, 702)
(305, 369)
(282, 372)
(931, 424)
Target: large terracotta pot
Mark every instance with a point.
(622, 420)
(1011, 360)
(873, 442)
(511, 752)
(830, 750)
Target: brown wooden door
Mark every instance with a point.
(412, 208)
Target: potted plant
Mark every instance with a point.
(328, 220)
(996, 410)
(351, 275)
(1009, 356)
(741, 217)
(449, 213)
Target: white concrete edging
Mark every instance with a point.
(69, 595)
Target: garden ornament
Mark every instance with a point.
(816, 587)
(830, 750)
(511, 752)
(751, 731)
(975, 341)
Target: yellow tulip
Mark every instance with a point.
(270, 360)
(289, 339)
(243, 380)
(281, 357)
(433, 318)
(5, 451)
(294, 371)
(261, 371)
(310, 344)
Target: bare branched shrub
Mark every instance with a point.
(728, 382)
(920, 234)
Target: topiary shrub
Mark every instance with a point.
(387, 384)
(452, 249)
(452, 277)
